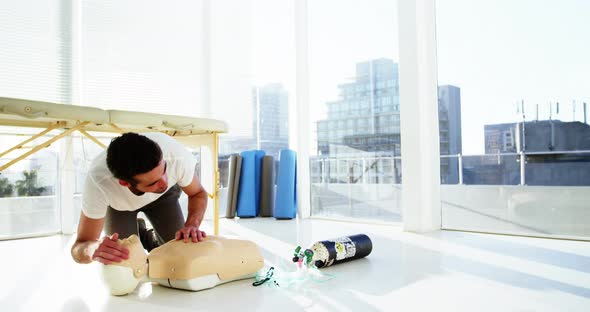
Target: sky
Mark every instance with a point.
(498, 52)
(254, 44)
(503, 52)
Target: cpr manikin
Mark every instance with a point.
(191, 266)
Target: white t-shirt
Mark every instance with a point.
(102, 189)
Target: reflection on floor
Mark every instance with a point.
(442, 271)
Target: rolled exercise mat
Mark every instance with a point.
(285, 199)
(235, 165)
(267, 187)
(258, 156)
(246, 207)
(342, 249)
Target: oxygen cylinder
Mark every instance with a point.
(339, 250)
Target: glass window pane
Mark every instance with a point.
(142, 56)
(35, 51)
(252, 84)
(28, 190)
(350, 71)
(513, 94)
(35, 64)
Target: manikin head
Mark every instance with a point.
(123, 277)
(136, 161)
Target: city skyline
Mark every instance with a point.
(504, 52)
(499, 53)
(270, 118)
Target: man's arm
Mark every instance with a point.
(89, 246)
(197, 204)
(88, 239)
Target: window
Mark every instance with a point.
(342, 57)
(517, 129)
(34, 59)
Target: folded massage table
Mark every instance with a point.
(192, 132)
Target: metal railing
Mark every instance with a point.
(551, 168)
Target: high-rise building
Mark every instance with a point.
(270, 120)
(365, 120)
(449, 119)
(537, 136)
(547, 146)
(500, 138)
(366, 117)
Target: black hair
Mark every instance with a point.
(131, 154)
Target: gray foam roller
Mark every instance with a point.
(235, 166)
(267, 186)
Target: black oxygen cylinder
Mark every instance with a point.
(342, 249)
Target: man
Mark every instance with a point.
(138, 173)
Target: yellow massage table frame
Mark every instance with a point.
(193, 132)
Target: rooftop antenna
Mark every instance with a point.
(537, 112)
(523, 126)
(557, 109)
(574, 108)
(552, 139)
(585, 121)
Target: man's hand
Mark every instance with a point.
(110, 251)
(189, 231)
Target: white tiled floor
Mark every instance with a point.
(441, 271)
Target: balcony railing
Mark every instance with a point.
(534, 194)
(552, 168)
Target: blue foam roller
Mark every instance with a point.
(285, 199)
(258, 156)
(247, 189)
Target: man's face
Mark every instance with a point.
(154, 181)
